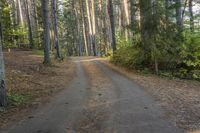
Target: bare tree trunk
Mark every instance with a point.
(112, 23)
(84, 27)
(127, 18)
(133, 13)
(146, 16)
(46, 32)
(100, 26)
(94, 45)
(191, 15)
(179, 13)
(3, 100)
(89, 24)
(31, 43)
(78, 31)
(55, 27)
(21, 18)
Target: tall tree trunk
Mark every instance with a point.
(55, 27)
(191, 15)
(100, 26)
(145, 18)
(126, 18)
(78, 32)
(84, 27)
(21, 18)
(112, 23)
(46, 32)
(94, 45)
(179, 13)
(36, 24)
(133, 13)
(3, 100)
(89, 24)
(31, 43)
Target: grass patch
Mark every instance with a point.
(17, 99)
(39, 52)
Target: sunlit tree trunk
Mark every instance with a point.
(127, 18)
(100, 26)
(94, 45)
(89, 24)
(20, 12)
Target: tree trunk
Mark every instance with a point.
(133, 14)
(191, 15)
(146, 17)
(46, 32)
(112, 23)
(89, 24)
(84, 27)
(3, 100)
(94, 44)
(55, 27)
(179, 13)
(126, 18)
(31, 43)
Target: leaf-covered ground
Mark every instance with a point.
(30, 83)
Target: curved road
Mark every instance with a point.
(98, 100)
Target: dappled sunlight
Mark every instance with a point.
(88, 59)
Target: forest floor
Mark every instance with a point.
(30, 83)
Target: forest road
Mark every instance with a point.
(98, 100)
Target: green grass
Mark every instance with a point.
(17, 99)
(39, 52)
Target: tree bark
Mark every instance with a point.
(89, 23)
(84, 27)
(94, 44)
(3, 100)
(55, 27)
(179, 13)
(46, 32)
(191, 15)
(31, 43)
(145, 18)
(112, 23)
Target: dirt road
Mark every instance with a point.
(98, 100)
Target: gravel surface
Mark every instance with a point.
(179, 98)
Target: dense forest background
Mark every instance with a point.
(161, 36)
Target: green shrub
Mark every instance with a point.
(126, 56)
(191, 52)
